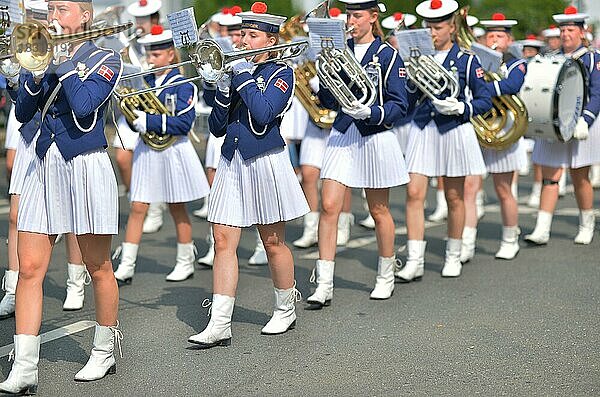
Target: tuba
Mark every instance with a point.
(507, 121)
(304, 72)
(340, 72)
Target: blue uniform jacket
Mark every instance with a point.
(75, 119)
(209, 91)
(470, 75)
(28, 130)
(391, 104)
(185, 96)
(591, 61)
(513, 79)
(250, 117)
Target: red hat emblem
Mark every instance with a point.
(498, 17)
(335, 12)
(435, 4)
(259, 7)
(234, 10)
(552, 26)
(531, 37)
(398, 16)
(143, 3)
(225, 10)
(571, 10)
(156, 30)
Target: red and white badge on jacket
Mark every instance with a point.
(479, 73)
(106, 72)
(282, 85)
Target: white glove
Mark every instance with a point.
(224, 83)
(60, 50)
(314, 84)
(581, 129)
(13, 81)
(240, 66)
(139, 124)
(39, 75)
(359, 111)
(449, 106)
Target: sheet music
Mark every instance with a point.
(326, 32)
(16, 10)
(414, 39)
(490, 60)
(184, 27)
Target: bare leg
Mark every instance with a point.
(125, 163)
(584, 193)
(415, 206)
(225, 266)
(332, 197)
(135, 222)
(550, 192)
(13, 259)
(347, 201)
(210, 175)
(508, 203)
(281, 261)
(73, 252)
(378, 200)
(472, 186)
(454, 189)
(310, 186)
(182, 221)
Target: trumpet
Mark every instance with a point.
(211, 62)
(32, 44)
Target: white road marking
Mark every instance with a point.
(55, 334)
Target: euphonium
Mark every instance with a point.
(507, 121)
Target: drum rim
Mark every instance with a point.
(556, 123)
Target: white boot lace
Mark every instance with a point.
(206, 303)
(118, 335)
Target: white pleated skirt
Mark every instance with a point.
(512, 159)
(371, 162)
(453, 154)
(572, 154)
(174, 175)
(77, 196)
(125, 137)
(294, 122)
(259, 191)
(12, 130)
(312, 148)
(23, 158)
(402, 132)
(213, 151)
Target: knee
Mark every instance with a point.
(12, 216)
(30, 272)
(380, 213)
(329, 207)
(123, 159)
(414, 194)
(138, 209)
(99, 270)
(274, 244)
(454, 199)
(222, 242)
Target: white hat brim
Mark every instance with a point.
(150, 39)
(391, 23)
(136, 10)
(448, 7)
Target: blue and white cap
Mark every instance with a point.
(393, 20)
(157, 39)
(144, 8)
(571, 17)
(258, 19)
(357, 5)
(437, 10)
(499, 23)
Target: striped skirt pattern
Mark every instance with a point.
(125, 138)
(12, 131)
(371, 162)
(312, 148)
(572, 154)
(25, 155)
(258, 191)
(77, 196)
(454, 153)
(213, 151)
(512, 159)
(402, 132)
(174, 175)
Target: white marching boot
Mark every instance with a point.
(124, 272)
(154, 218)
(259, 257)
(184, 263)
(368, 222)
(284, 314)
(310, 234)
(23, 377)
(102, 359)
(323, 275)
(541, 233)
(78, 279)
(469, 237)
(209, 258)
(414, 268)
(9, 285)
(587, 222)
(452, 266)
(534, 197)
(218, 330)
(441, 209)
(509, 247)
(480, 204)
(345, 222)
(202, 213)
(595, 176)
(384, 283)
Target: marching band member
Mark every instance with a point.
(553, 43)
(576, 154)
(502, 164)
(531, 46)
(24, 135)
(172, 175)
(75, 191)
(363, 152)
(147, 15)
(442, 142)
(255, 183)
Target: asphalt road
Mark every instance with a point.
(524, 327)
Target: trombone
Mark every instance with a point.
(211, 62)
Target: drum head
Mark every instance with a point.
(569, 99)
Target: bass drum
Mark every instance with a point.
(555, 93)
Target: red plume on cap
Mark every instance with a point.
(156, 30)
(552, 26)
(435, 4)
(398, 16)
(571, 10)
(259, 7)
(225, 10)
(335, 12)
(498, 17)
(143, 3)
(531, 37)
(234, 10)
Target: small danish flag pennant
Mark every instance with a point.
(522, 68)
(282, 85)
(479, 73)
(402, 73)
(106, 72)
